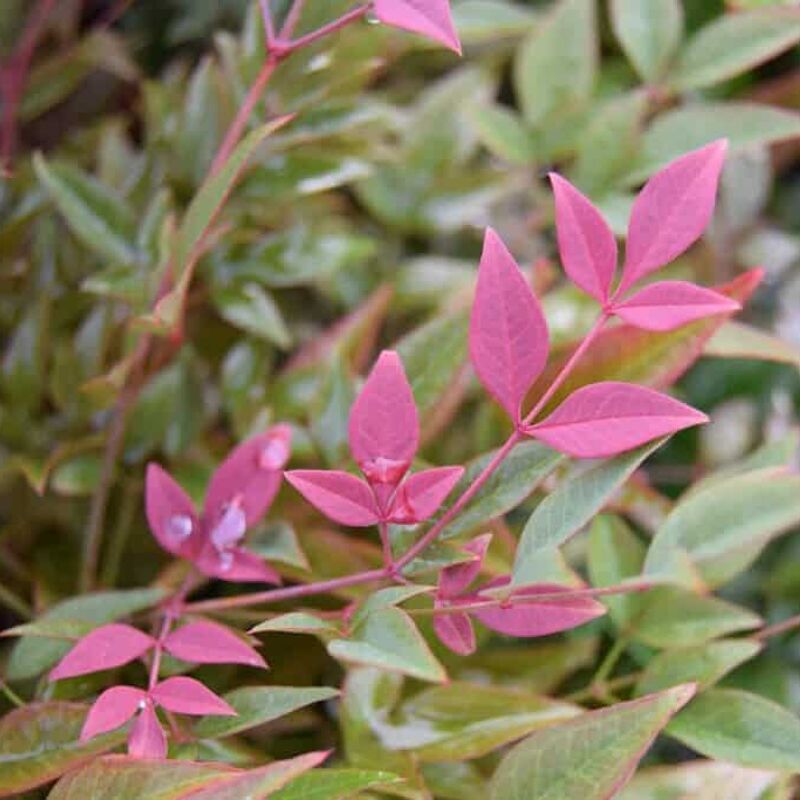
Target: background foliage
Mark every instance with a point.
(359, 227)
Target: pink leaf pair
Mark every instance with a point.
(516, 617)
(429, 18)
(239, 494)
(116, 706)
(209, 643)
(384, 436)
(668, 216)
(509, 349)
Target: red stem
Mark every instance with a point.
(286, 47)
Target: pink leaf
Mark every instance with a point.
(250, 475)
(113, 708)
(456, 579)
(209, 643)
(670, 304)
(430, 18)
(104, 648)
(508, 338)
(455, 631)
(147, 739)
(340, 496)
(587, 245)
(235, 564)
(607, 418)
(419, 496)
(188, 696)
(384, 428)
(672, 211)
(538, 619)
(170, 513)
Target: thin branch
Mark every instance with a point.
(778, 628)
(326, 30)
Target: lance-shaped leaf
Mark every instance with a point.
(667, 305)
(589, 758)
(429, 18)
(335, 784)
(112, 709)
(607, 418)
(147, 738)
(188, 696)
(672, 211)
(104, 648)
(455, 631)
(338, 495)
(384, 428)
(421, 494)
(170, 512)
(522, 616)
(456, 579)
(209, 643)
(508, 338)
(251, 474)
(587, 246)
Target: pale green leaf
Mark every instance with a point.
(503, 133)
(253, 309)
(298, 622)
(334, 784)
(740, 340)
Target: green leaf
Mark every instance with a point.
(503, 133)
(744, 125)
(462, 721)
(739, 340)
(387, 598)
(95, 215)
(298, 622)
(616, 553)
(77, 477)
(334, 784)
(32, 656)
(704, 665)
(732, 44)
(740, 727)
(573, 504)
(122, 778)
(588, 758)
(555, 68)
(41, 741)
(515, 479)
(330, 412)
(723, 527)
(479, 21)
(252, 309)
(650, 32)
(256, 705)
(672, 617)
(614, 130)
(389, 639)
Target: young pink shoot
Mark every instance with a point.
(104, 648)
(210, 643)
(672, 211)
(239, 494)
(605, 419)
(384, 436)
(508, 337)
(430, 18)
(188, 696)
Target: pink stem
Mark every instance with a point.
(292, 19)
(778, 628)
(386, 544)
(286, 47)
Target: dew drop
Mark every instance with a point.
(225, 560)
(180, 527)
(231, 527)
(274, 454)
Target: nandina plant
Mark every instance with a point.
(443, 584)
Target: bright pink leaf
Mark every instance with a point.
(210, 643)
(538, 619)
(430, 18)
(188, 696)
(384, 428)
(455, 631)
(508, 339)
(419, 496)
(669, 304)
(672, 211)
(235, 564)
(456, 579)
(113, 708)
(250, 476)
(607, 418)
(339, 495)
(104, 648)
(587, 245)
(171, 513)
(147, 739)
